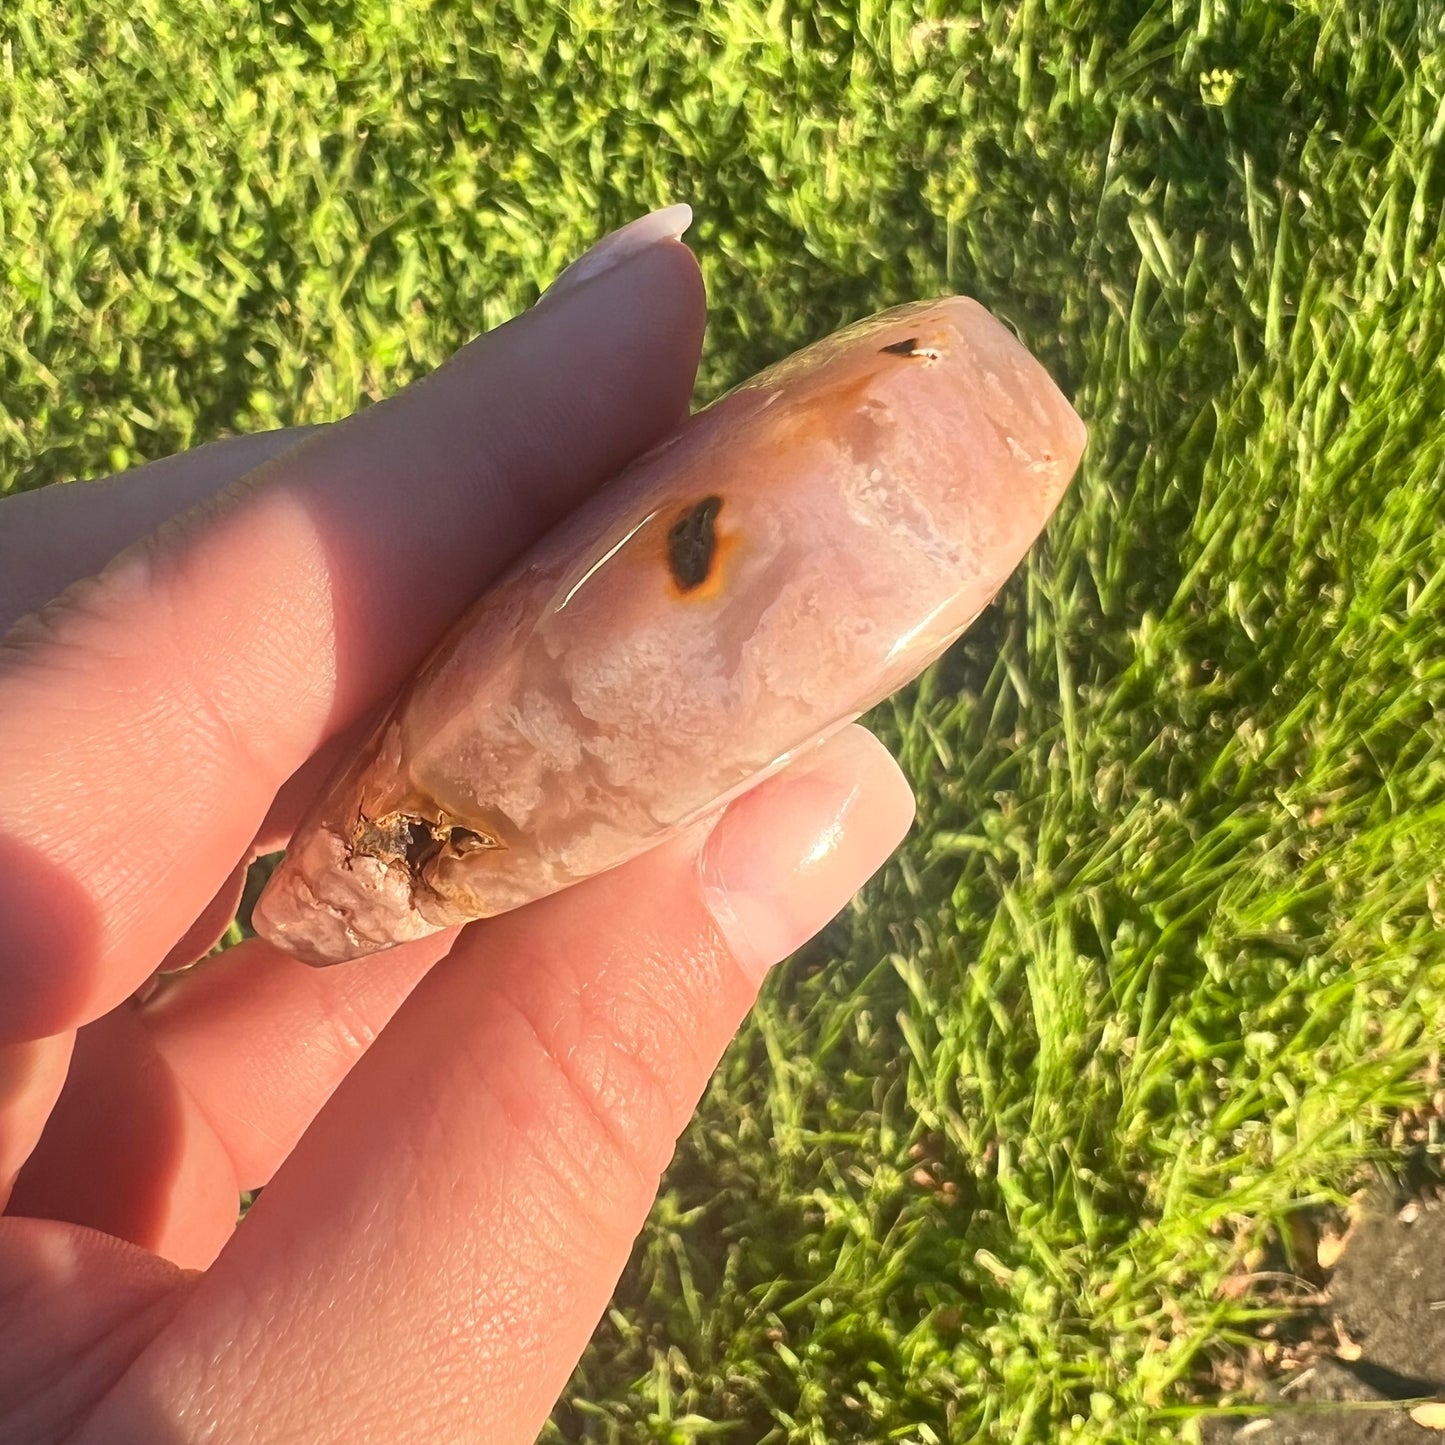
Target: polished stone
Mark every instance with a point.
(789, 557)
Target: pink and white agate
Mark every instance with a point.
(788, 558)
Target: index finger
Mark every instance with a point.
(148, 718)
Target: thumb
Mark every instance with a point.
(431, 1261)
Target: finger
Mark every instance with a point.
(291, 801)
(31, 1075)
(173, 1107)
(298, 792)
(56, 535)
(215, 918)
(473, 1189)
(75, 1310)
(260, 1041)
(147, 720)
(126, 1151)
(51, 537)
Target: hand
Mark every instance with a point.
(460, 1138)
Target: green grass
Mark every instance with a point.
(1164, 957)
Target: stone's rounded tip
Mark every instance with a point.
(313, 936)
(289, 916)
(324, 908)
(1029, 402)
(1015, 387)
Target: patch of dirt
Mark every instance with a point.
(1377, 1338)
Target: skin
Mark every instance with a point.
(461, 1137)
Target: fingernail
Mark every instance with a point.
(667, 224)
(787, 856)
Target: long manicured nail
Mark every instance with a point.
(784, 858)
(668, 224)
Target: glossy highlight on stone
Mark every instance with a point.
(788, 558)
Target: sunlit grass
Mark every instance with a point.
(1164, 953)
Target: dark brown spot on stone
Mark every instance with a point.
(692, 544)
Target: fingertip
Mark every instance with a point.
(52, 945)
(654, 229)
(127, 1152)
(785, 858)
(664, 280)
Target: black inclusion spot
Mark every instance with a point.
(419, 842)
(901, 348)
(692, 544)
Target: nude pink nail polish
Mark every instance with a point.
(620, 245)
(783, 859)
